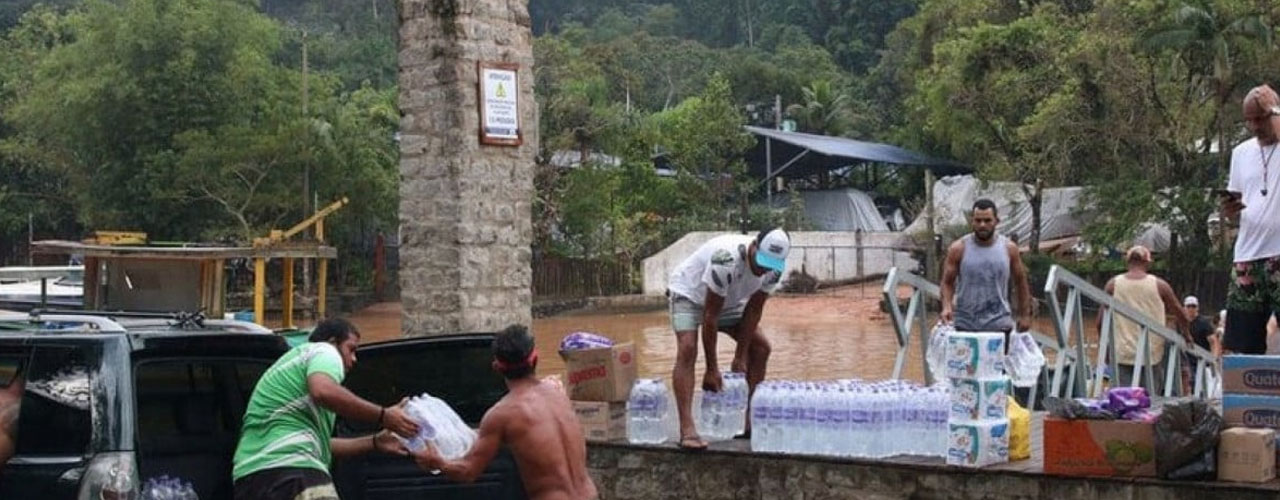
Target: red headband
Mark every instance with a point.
(504, 366)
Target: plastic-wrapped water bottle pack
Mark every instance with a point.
(439, 426)
(168, 488)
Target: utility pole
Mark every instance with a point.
(777, 111)
(31, 239)
(307, 208)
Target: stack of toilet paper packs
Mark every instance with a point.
(978, 419)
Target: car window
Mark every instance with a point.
(184, 399)
(55, 411)
(188, 416)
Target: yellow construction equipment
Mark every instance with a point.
(278, 238)
(116, 238)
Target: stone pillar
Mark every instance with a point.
(465, 215)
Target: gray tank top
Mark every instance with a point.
(982, 288)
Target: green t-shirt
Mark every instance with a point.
(283, 427)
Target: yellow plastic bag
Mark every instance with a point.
(1019, 431)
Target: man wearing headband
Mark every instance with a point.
(722, 287)
(535, 420)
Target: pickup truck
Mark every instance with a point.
(91, 408)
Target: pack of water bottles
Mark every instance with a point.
(723, 415)
(849, 418)
(439, 426)
(649, 412)
(168, 488)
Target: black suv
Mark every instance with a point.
(92, 408)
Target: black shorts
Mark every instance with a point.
(1252, 297)
(286, 483)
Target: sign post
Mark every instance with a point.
(499, 104)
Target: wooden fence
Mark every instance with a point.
(564, 278)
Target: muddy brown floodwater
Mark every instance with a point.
(836, 333)
(839, 333)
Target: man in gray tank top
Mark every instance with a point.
(977, 275)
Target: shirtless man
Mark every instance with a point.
(535, 420)
(10, 403)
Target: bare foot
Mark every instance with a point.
(692, 443)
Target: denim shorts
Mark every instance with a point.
(686, 315)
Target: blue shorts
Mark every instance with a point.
(686, 315)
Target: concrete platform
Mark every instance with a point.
(729, 470)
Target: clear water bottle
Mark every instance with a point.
(760, 416)
(711, 415)
(736, 402)
(777, 416)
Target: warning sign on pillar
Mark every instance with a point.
(499, 104)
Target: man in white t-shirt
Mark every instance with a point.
(722, 287)
(1254, 200)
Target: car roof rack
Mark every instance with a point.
(126, 321)
(91, 322)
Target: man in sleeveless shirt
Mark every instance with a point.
(1154, 298)
(1254, 186)
(977, 274)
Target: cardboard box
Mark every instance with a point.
(1247, 455)
(603, 375)
(602, 421)
(1251, 411)
(1251, 374)
(1099, 448)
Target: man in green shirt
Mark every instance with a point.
(285, 442)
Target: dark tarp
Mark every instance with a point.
(829, 153)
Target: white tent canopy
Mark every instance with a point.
(844, 209)
(1062, 213)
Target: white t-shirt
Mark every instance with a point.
(1259, 236)
(720, 265)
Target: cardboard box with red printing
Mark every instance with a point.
(1099, 448)
(603, 375)
(602, 421)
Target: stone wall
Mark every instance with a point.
(829, 256)
(624, 472)
(464, 208)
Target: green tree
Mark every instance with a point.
(825, 110)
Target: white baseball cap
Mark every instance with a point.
(772, 247)
(1191, 300)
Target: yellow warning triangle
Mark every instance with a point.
(502, 92)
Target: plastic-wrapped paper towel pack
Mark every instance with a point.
(975, 354)
(978, 423)
(979, 398)
(978, 443)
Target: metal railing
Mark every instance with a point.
(1069, 349)
(905, 323)
(1069, 325)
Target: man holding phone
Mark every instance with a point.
(1253, 187)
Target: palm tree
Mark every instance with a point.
(1206, 41)
(825, 110)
